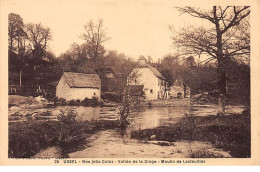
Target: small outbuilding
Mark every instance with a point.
(73, 86)
(179, 90)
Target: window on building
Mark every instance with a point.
(151, 91)
(94, 93)
(179, 95)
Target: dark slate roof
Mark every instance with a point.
(81, 80)
(154, 70)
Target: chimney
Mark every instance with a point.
(142, 61)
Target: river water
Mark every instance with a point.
(141, 118)
(111, 144)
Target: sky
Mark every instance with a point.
(136, 27)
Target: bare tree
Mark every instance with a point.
(39, 36)
(33, 40)
(129, 102)
(95, 36)
(227, 37)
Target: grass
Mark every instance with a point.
(230, 133)
(28, 138)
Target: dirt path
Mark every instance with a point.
(110, 144)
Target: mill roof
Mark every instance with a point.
(154, 70)
(81, 80)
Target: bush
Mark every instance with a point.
(28, 138)
(94, 101)
(90, 102)
(101, 102)
(62, 102)
(111, 96)
(74, 102)
(67, 116)
(85, 102)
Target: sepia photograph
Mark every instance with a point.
(113, 79)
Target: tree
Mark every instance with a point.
(226, 38)
(95, 36)
(38, 37)
(76, 59)
(170, 67)
(33, 45)
(16, 33)
(223, 40)
(129, 102)
(149, 59)
(15, 29)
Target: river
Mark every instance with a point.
(111, 144)
(141, 118)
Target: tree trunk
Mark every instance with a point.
(222, 87)
(221, 105)
(11, 45)
(184, 89)
(221, 66)
(222, 81)
(123, 121)
(20, 79)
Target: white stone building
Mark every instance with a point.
(73, 86)
(177, 90)
(154, 84)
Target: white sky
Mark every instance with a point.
(136, 27)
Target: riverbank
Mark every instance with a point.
(28, 138)
(185, 102)
(110, 144)
(22, 102)
(230, 133)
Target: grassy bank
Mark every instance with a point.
(28, 138)
(230, 133)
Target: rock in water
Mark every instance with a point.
(152, 137)
(162, 143)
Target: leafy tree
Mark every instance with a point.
(17, 52)
(169, 66)
(15, 29)
(76, 59)
(29, 59)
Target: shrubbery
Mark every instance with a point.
(90, 102)
(111, 96)
(74, 102)
(28, 138)
(86, 102)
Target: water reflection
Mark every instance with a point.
(141, 118)
(156, 116)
